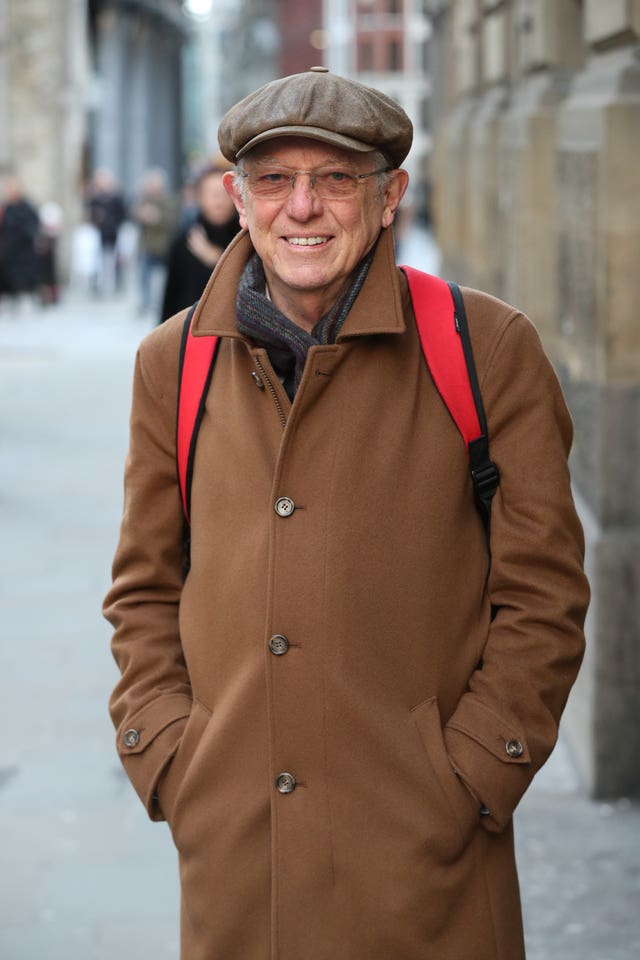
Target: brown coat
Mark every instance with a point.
(396, 675)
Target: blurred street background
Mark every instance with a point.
(525, 183)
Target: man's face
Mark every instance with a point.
(341, 231)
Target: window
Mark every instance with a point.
(424, 56)
(365, 55)
(425, 112)
(394, 56)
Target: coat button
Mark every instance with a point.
(514, 748)
(284, 506)
(131, 738)
(278, 645)
(286, 783)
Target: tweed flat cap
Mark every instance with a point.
(321, 106)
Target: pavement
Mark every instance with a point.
(83, 874)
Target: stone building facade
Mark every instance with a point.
(250, 42)
(303, 38)
(136, 103)
(385, 44)
(537, 185)
(43, 84)
(81, 82)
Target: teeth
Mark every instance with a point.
(306, 241)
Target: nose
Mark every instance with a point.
(303, 201)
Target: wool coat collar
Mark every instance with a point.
(377, 309)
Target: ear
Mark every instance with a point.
(229, 183)
(395, 191)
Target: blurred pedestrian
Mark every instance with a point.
(51, 220)
(19, 227)
(197, 248)
(155, 214)
(188, 204)
(107, 211)
(86, 256)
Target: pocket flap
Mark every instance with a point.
(502, 738)
(138, 731)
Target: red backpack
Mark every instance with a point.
(446, 345)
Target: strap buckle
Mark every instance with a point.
(486, 480)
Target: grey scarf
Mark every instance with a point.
(286, 343)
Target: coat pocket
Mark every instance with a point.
(173, 780)
(460, 804)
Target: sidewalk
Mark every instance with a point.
(84, 875)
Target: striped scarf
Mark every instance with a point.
(286, 343)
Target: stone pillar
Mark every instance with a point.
(134, 98)
(539, 161)
(598, 297)
(452, 143)
(5, 149)
(486, 234)
(43, 63)
(548, 51)
(166, 140)
(138, 115)
(110, 58)
(467, 204)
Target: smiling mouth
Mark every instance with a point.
(306, 241)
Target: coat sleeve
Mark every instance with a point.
(152, 699)
(506, 723)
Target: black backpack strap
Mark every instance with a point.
(484, 472)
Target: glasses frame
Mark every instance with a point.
(313, 174)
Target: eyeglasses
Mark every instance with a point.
(329, 183)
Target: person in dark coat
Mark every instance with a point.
(19, 227)
(107, 211)
(197, 248)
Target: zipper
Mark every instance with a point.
(272, 391)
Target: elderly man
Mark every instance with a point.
(339, 704)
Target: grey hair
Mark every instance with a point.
(376, 157)
(239, 179)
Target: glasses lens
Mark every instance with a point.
(271, 184)
(335, 184)
(329, 184)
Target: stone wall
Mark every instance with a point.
(136, 109)
(537, 200)
(78, 92)
(43, 81)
